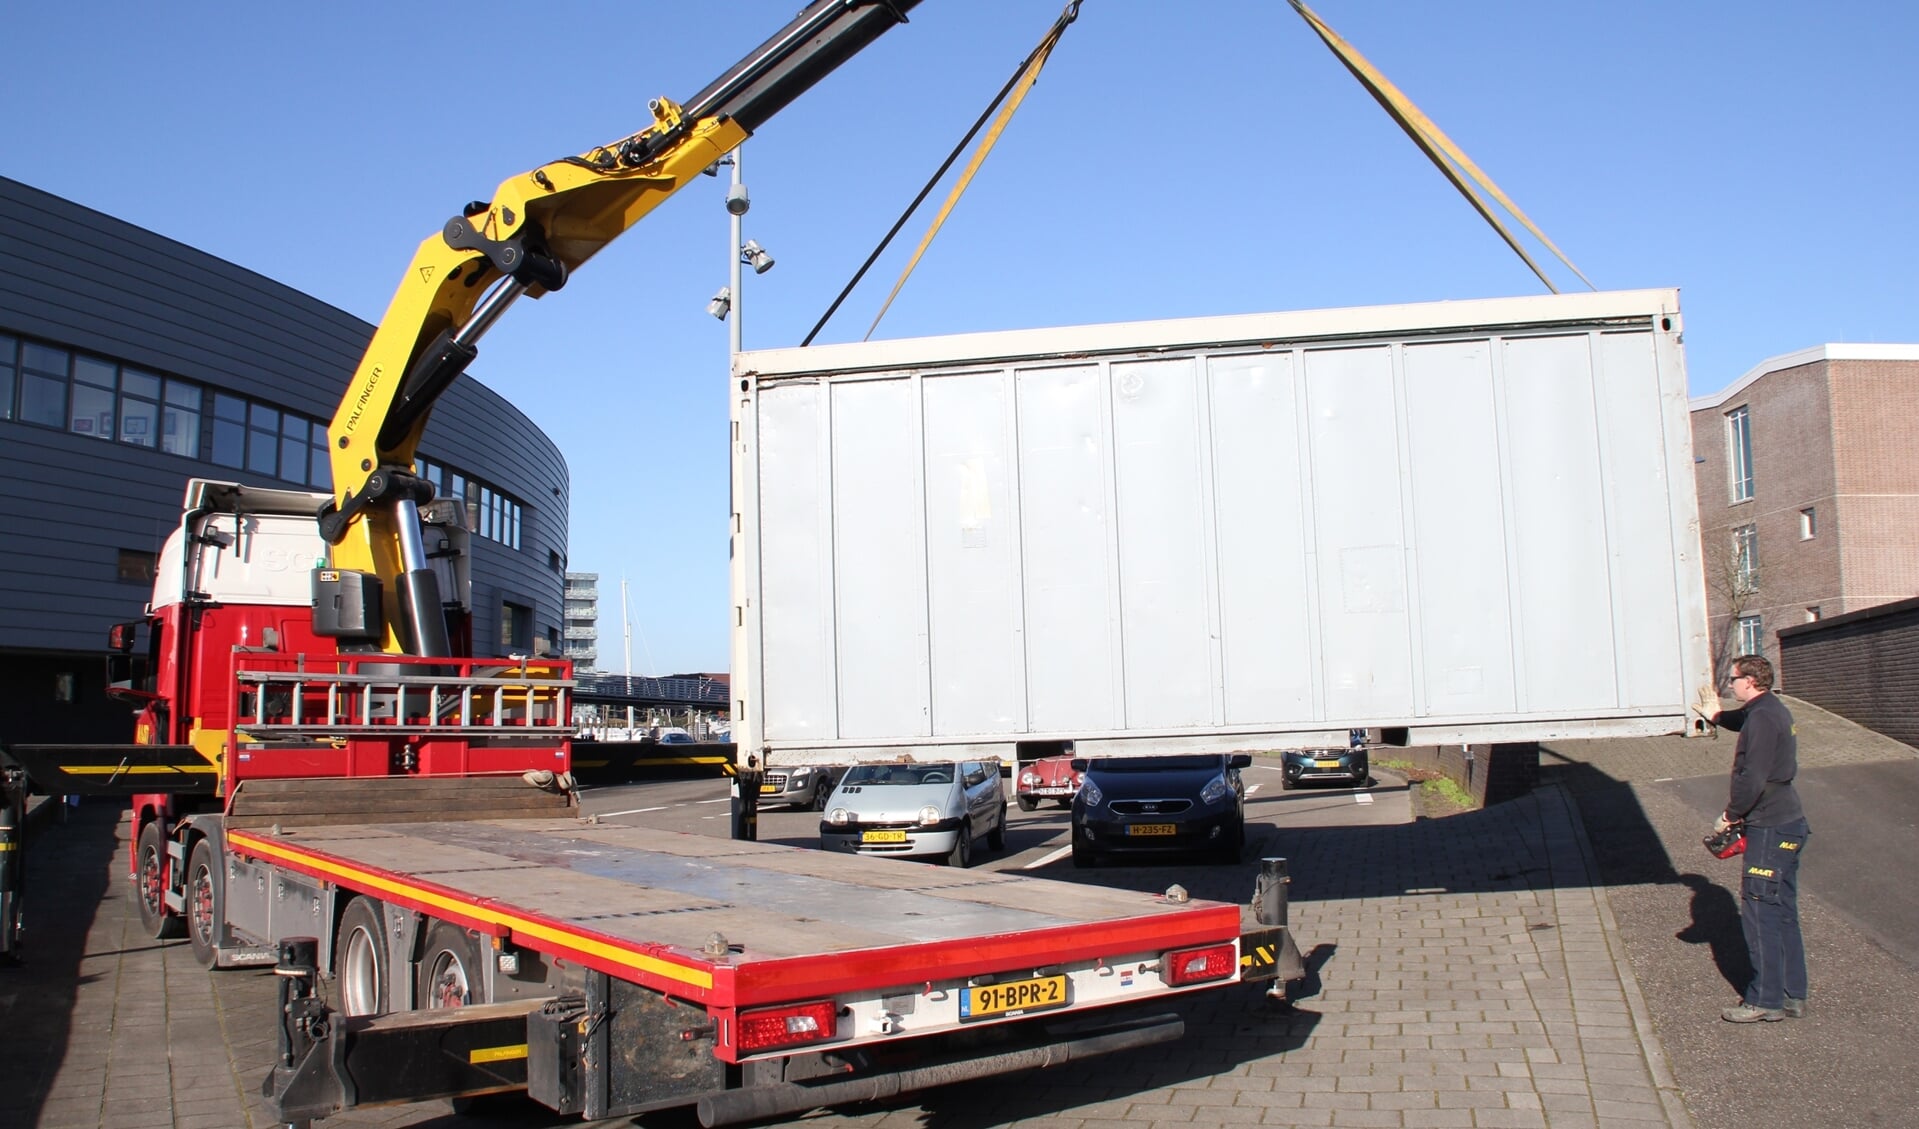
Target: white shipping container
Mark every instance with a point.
(1456, 522)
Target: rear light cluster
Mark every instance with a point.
(764, 1029)
(1196, 966)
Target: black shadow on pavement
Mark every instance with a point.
(66, 883)
(1715, 923)
(1628, 851)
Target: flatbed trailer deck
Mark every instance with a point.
(680, 952)
(645, 905)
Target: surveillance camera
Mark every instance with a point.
(736, 200)
(721, 304)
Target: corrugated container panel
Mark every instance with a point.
(1468, 521)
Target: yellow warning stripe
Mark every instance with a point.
(496, 1054)
(353, 875)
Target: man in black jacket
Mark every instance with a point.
(1763, 766)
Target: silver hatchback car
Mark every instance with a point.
(934, 810)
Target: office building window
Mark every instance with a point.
(1752, 640)
(264, 440)
(263, 448)
(1745, 559)
(516, 628)
(296, 446)
(104, 399)
(1739, 445)
(136, 565)
(43, 384)
(93, 396)
(320, 474)
(9, 361)
(229, 430)
(139, 408)
(98, 398)
(180, 419)
(1808, 524)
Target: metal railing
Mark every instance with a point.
(282, 695)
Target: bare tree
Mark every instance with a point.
(1733, 576)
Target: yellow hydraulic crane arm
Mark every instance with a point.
(539, 227)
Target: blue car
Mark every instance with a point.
(1155, 806)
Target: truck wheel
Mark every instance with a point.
(962, 855)
(359, 959)
(996, 838)
(450, 970)
(206, 904)
(1028, 803)
(150, 885)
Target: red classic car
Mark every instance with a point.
(1049, 778)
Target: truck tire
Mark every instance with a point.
(206, 896)
(996, 838)
(359, 959)
(962, 855)
(1028, 803)
(450, 968)
(150, 885)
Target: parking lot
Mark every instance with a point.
(1462, 972)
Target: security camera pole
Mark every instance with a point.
(736, 206)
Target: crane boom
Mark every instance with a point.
(537, 228)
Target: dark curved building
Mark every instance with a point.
(130, 363)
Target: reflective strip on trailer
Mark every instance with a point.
(439, 902)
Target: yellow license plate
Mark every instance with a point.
(1036, 994)
(768, 788)
(1151, 829)
(1325, 764)
(883, 837)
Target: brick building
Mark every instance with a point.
(1808, 491)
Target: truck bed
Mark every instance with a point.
(645, 905)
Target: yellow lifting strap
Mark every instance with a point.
(1026, 79)
(1440, 149)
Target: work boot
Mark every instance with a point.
(1749, 1013)
(1795, 1009)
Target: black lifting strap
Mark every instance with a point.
(1046, 44)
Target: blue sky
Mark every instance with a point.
(1177, 159)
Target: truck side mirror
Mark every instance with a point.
(120, 637)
